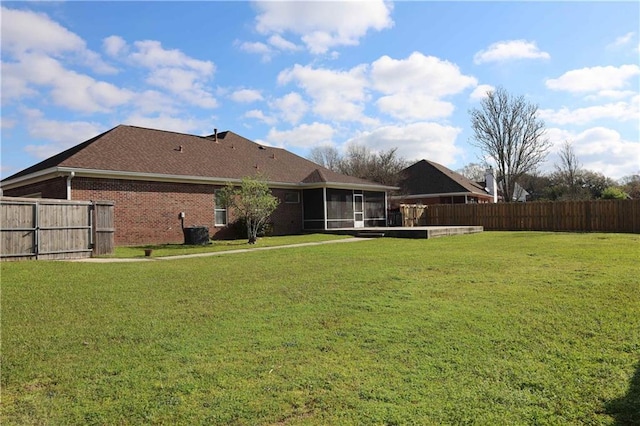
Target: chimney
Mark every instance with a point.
(491, 184)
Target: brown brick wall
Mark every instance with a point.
(52, 188)
(287, 219)
(147, 212)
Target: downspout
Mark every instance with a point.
(71, 176)
(324, 201)
(386, 210)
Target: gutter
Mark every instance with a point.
(113, 174)
(434, 195)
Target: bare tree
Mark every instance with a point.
(507, 130)
(568, 167)
(360, 161)
(474, 171)
(568, 174)
(326, 156)
(631, 185)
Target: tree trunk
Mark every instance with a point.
(251, 232)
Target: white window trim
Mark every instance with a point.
(217, 209)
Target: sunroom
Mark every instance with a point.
(336, 208)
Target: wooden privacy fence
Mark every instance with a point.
(581, 216)
(34, 228)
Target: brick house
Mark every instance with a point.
(427, 182)
(153, 176)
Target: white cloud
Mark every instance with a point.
(151, 54)
(167, 122)
(336, 95)
(68, 88)
(184, 83)
(7, 123)
(257, 48)
(62, 134)
(619, 111)
(305, 135)
(424, 140)
(323, 25)
(414, 86)
(246, 96)
(594, 79)
(37, 44)
(418, 72)
(510, 50)
(480, 92)
(281, 43)
(291, 107)
(115, 46)
(612, 94)
(259, 115)
(14, 84)
(601, 149)
(414, 106)
(26, 32)
(153, 101)
(622, 40)
(169, 69)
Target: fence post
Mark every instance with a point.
(36, 229)
(93, 222)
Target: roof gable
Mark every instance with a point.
(428, 177)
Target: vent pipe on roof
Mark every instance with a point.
(215, 135)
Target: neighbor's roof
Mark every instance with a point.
(128, 150)
(427, 177)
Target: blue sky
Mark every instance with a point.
(303, 74)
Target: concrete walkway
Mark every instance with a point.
(214, 253)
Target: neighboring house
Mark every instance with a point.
(520, 194)
(155, 177)
(426, 182)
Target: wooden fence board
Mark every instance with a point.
(54, 229)
(104, 232)
(580, 216)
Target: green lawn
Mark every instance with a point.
(491, 328)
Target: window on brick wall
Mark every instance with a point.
(220, 210)
(292, 197)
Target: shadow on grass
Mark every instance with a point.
(626, 409)
(235, 243)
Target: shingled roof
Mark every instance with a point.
(224, 156)
(427, 177)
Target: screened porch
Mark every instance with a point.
(333, 208)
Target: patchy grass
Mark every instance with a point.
(492, 328)
(161, 250)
